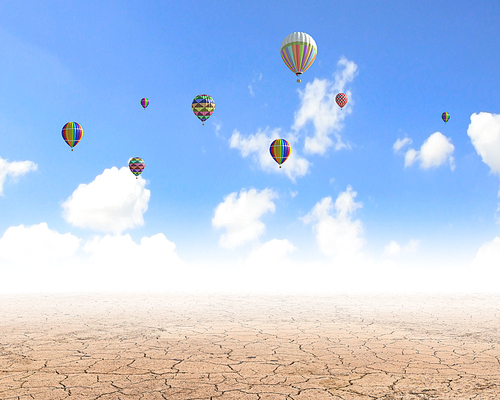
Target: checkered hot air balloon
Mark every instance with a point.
(72, 133)
(203, 107)
(445, 117)
(298, 51)
(136, 165)
(280, 150)
(144, 103)
(341, 100)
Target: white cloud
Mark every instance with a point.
(395, 249)
(484, 271)
(120, 263)
(337, 235)
(240, 216)
(436, 150)
(488, 257)
(392, 249)
(270, 253)
(484, 131)
(400, 143)
(14, 169)
(38, 259)
(113, 202)
(218, 126)
(319, 107)
(251, 90)
(36, 245)
(258, 144)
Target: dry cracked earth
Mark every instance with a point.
(181, 347)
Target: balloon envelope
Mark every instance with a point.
(72, 133)
(144, 103)
(341, 100)
(280, 150)
(136, 165)
(445, 116)
(298, 51)
(203, 106)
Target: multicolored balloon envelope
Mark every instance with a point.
(72, 133)
(136, 165)
(298, 51)
(203, 107)
(341, 100)
(280, 150)
(144, 103)
(445, 117)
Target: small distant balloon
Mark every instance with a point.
(144, 103)
(136, 165)
(298, 51)
(445, 117)
(203, 107)
(280, 150)
(341, 100)
(72, 133)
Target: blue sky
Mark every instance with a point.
(381, 196)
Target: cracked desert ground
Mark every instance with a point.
(130, 346)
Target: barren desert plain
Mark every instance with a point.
(249, 347)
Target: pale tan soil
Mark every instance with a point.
(249, 347)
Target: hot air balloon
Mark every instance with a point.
(298, 51)
(341, 100)
(280, 150)
(203, 107)
(445, 117)
(136, 165)
(144, 103)
(72, 133)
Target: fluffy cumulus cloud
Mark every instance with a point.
(484, 132)
(436, 150)
(36, 245)
(395, 249)
(113, 202)
(14, 169)
(240, 216)
(257, 146)
(318, 107)
(336, 233)
(400, 143)
(39, 259)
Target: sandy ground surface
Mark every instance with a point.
(249, 347)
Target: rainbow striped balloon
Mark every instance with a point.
(144, 103)
(280, 150)
(445, 117)
(298, 51)
(72, 133)
(136, 165)
(203, 107)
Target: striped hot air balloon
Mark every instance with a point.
(136, 165)
(298, 51)
(341, 100)
(445, 117)
(280, 150)
(144, 103)
(72, 133)
(203, 107)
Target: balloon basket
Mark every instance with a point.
(280, 166)
(298, 81)
(71, 149)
